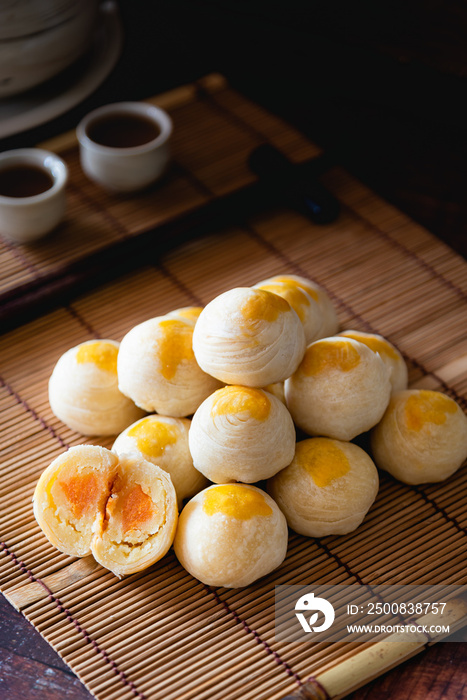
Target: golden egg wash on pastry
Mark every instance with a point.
(175, 345)
(427, 407)
(323, 459)
(233, 399)
(324, 356)
(101, 353)
(297, 298)
(153, 436)
(263, 306)
(236, 502)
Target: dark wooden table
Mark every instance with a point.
(383, 91)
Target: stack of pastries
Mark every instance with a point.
(207, 403)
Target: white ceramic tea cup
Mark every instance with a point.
(119, 167)
(25, 218)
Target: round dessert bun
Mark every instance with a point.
(157, 368)
(241, 434)
(388, 353)
(422, 437)
(83, 390)
(341, 389)
(327, 489)
(164, 442)
(122, 509)
(313, 306)
(249, 337)
(231, 535)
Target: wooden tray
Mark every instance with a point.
(161, 633)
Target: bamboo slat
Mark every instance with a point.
(160, 633)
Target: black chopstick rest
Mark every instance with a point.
(298, 185)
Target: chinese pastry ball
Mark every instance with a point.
(389, 354)
(313, 306)
(164, 442)
(241, 434)
(157, 368)
(121, 509)
(249, 337)
(327, 489)
(83, 390)
(341, 389)
(421, 438)
(231, 535)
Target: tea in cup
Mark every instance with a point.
(125, 146)
(32, 193)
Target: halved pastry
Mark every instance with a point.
(327, 489)
(123, 509)
(249, 337)
(421, 438)
(163, 441)
(83, 390)
(230, 535)
(71, 494)
(241, 433)
(140, 518)
(157, 368)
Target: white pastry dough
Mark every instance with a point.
(309, 300)
(241, 434)
(83, 390)
(276, 390)
(422, 437)
(231, 535)
(122, 509)
(249, 337)
(327, 489)
(158, 370)
(164, 441)
(388, 353)
(341, 389)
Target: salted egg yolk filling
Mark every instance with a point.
(132, 513)
(373, 342)
(262, 306)
(235, 501)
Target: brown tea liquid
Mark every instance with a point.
(24, 181)
(122, 130)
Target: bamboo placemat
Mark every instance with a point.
(215, 129)
(162, 634)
